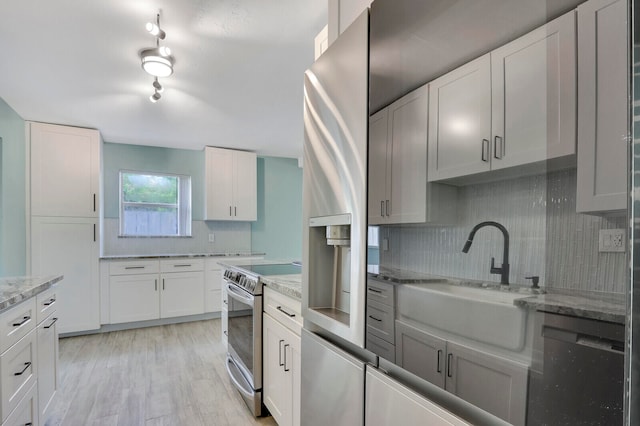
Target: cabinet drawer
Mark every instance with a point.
(380, 292)
(381, 348)
(284, 309)
(16, 323)
(182, 265)
(134, 267)
(46, 303)
(18, 372)
(26, 413)
(380, 321)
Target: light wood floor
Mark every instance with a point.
(167, 375)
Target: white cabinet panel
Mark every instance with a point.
(603, 80)
(182, 294)
(69, 246)
(230, 185)
(378, 166)
(212, 286)
(134, 298)
(65, 168)
(534, 95)
(47, 336)
(390, 403)
(460, 121)
(26, 413)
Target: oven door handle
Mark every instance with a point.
(245, 388)
(233, 292)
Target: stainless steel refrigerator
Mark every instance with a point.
(334, 236)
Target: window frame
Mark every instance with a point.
(183, 206)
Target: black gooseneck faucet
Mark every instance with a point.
(504, 270)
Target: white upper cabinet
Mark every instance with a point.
(231, 185)
(65, 170)
(460, 121)
(603, 80)
(534, 95)
(398, 189)
(512, 107)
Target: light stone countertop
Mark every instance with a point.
(14, 290)
(188, 255)
(289, 285)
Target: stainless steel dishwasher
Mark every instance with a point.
(578, 378)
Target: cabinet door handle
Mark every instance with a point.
(388, 209)
(226, 333)
(235, 211)
(134, 267)
(495, 147)
(156, 284)
(26, 365)
(53, 321)
(449, 358)
(94, 202)
(289, 314)
(163, 284)
(49, 302)
(382, 208)
(229, 210)
(439, 369)
(285, 357)
(374, 318)
(280, 363)
(94, 232)
(182, 265)
(485, 150)
(24, 319)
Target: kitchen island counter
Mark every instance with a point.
(14, 290)
(289, 285)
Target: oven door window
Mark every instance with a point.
(240, 329)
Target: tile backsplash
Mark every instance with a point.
(547, 237)
(229, 237)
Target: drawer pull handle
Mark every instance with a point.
(28, 424)
(373, 290)
(182, 265)
(26, 366)
(449, 358)
(374, 318)
(289, 314)
(25, 319)
(134, 267)
(49, 302)
(53, 321)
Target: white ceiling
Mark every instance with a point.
(237, 81)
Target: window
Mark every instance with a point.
(155, 205)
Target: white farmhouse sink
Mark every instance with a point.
(485, 315)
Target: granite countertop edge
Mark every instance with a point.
(187, 255)
(584, 304)
(14, 290)
(289, 285)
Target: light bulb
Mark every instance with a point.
(155, 30)
(155, 97)
(164, 51)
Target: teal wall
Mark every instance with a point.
(118, 157)
(12, 193)
(278, 231)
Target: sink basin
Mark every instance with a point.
(485, 315)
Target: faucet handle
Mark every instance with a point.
(493, 269)
(534, 280)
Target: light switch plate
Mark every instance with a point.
(612, 241)
(212, 238)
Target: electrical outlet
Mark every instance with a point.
(212, 238)
(612, 240)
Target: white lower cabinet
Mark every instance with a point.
(212, 286)
(281, 358)
(47, 336)
(141, 290)
(465, 372)
(26, 413)
(388, 402)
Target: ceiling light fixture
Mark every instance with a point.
(157, 61)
